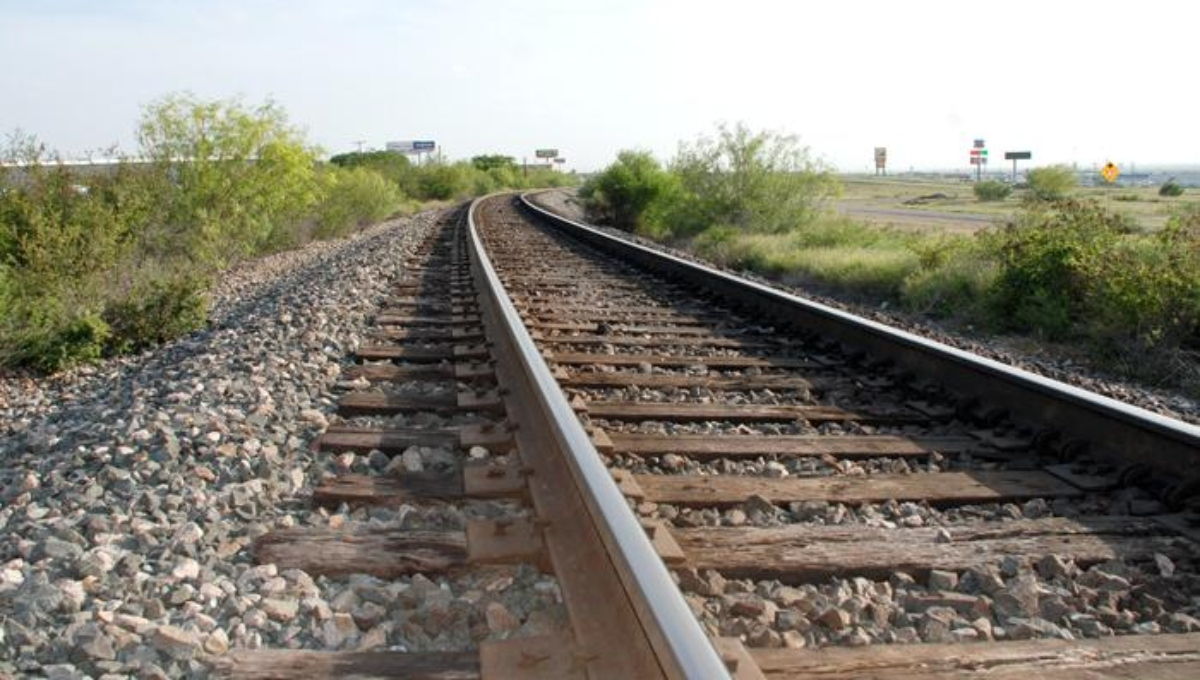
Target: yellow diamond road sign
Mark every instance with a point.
(1110, 173)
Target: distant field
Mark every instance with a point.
(899, 202)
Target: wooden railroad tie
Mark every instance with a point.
(495, 438)
(738, 413)
(798, 554)
(380, 403)
(393, 552)
(704, 447)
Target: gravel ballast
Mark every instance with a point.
(132, 490)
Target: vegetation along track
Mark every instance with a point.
(818, 486)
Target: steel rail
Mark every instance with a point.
(679, 643)
(1112, 429)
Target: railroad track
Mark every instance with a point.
(727, 482)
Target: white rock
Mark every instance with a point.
(185, 569)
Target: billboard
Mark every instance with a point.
(411, 146)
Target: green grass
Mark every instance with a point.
(834, 251)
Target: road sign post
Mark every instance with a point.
(979, 154)
(1015, 156)
(1110, 172)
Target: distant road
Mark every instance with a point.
(881, 215)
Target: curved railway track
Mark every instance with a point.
(725, 481)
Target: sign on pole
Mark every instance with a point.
(546, 153)
(1110, 172)
(979, 155)
(1015, 156)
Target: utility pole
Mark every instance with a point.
(360, 142)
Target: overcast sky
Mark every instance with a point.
(1073, 81)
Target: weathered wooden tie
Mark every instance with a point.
(395, 440)
(472, 482)
(278, 664)
(712, 362)
(1162, 657)
(779, 383)
(434, 353)
(737, 413)
(706, 447)
(394, 552)
(939, 489)
(805, 553)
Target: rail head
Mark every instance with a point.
(679, 642)
(1117, 430)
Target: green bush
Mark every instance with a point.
(991, 190)
(762, 182)
(1146, 295)
(1048, 258)
(1051, 183)
(394, 167)
(158, 308)
(631, 194)
(353, 198)
(240, 174)
(443, 181)
(50, 335)
(1170, 188)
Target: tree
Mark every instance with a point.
(392, 165)
(1051, 183)
(493, 162)
(762, 182)
(240, 173)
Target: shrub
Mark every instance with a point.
(991, 190)
(1146, 294)
(392, 165)
(1047, 260)
(1170, 188)
(763, 182)
(353, 198)
(1051, 183)
(443, 181)
(50, 335)
(632, 193)
(158, 308)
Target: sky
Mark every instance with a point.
(1071, 81)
